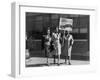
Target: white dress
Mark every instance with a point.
(57, 43)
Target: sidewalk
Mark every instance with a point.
(38, 61)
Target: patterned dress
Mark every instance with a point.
(47, 45)
(56, 43)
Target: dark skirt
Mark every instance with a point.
(64, 49)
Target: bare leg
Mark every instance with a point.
(47, 60)
(69, 56)
(58, 59)
(47, 52)
(69, 59)
(65, 59)
(54, 59)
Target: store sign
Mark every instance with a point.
(65, 24)
(66, 21)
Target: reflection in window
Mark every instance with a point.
(83, 30)
(39, 18)
(75, 30)
(54, 16)
(38, 26)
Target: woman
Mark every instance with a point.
(68, 45)
(57, 45)
(47, 44)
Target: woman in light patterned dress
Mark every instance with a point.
(47, 45)
(57, 44)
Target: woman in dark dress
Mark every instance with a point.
(67, 48)
(47, 44)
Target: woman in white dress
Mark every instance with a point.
(57, 44)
